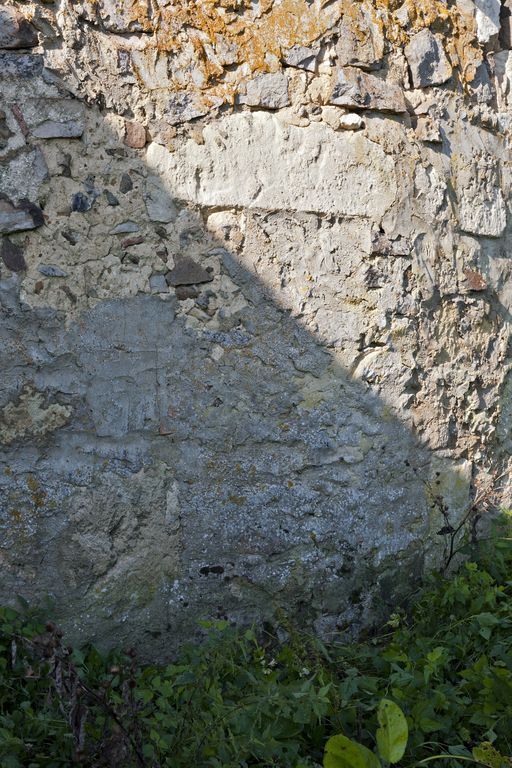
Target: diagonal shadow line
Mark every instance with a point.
(230, 471)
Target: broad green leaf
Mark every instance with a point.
(393, 732)
(486, 754)
(341, 752)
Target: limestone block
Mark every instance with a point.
(302, 57)
(23, 176)
(358, 90)
(15, 30)
(267, 90)
(427, 60)
(246, 156)
(361, 39)
(487, 15)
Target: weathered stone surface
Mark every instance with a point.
(361, 40)
(487, 14)
(427, 60)
(52, 129)
(269, 91)
(189, 445)
(23, 176)
(15, 30)
(358, 90)
(357, 178)
(12, 256)
(302, 57)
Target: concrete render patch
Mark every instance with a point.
(252, 160)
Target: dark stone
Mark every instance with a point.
(126, 184)
(111, 199)
(25, 215)
(5, 132)
(15, 30)
(71, 236)
(188, 272)
(50, 270)
(12, 256)
(184, 291)
(81, 203)
(506, 24)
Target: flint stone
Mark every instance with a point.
(111, 199)
(50, 270)
(301, 57)
(126, 184)
(24, 216)
(359, 90)
(427, 60)
(124, 228)
(159, 204)
(12, 256)
(15, 30)
(361, 40)
(268, 90)
(188, 272)
(52, 129)
(81, 203)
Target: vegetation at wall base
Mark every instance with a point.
(434, 689)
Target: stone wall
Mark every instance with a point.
(254, 293)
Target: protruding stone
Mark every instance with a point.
(361, 39)
(188, 272)
(487, 16)
(12, 256)
(301, 57)
(359, 90)
(134, 135)
(267, 90)
(428, 130)
(15, 30)
(351, 122)
(25, 215)
(159, 204)
(53, 129)
(427, 60)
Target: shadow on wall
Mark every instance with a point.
(197, 450)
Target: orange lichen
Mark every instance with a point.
(256, 34)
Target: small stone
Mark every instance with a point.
(81, 203)
(25, 215)
(50, 270)
(111, 199)
(359, 90)
(52, 129)
(267, 90)
(184, 292)
(158, 283)
(427, 60)
(71, 236)
(474, 280)
(188, 272)
(132, 241)
(134, 134)
(126, 184)
(15, 30)
(159, 205)
(5, 132)
(124, 228)
(184, 107)
(301, 57)
(351, 122)
(12, 256)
